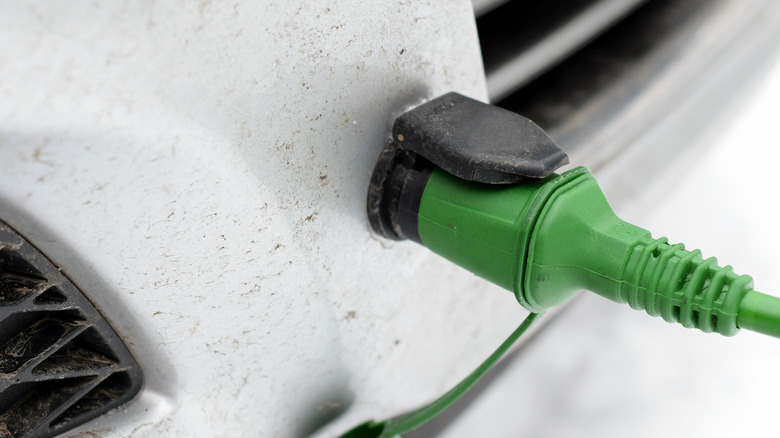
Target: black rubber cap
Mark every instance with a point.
(478, 142)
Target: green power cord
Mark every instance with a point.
(475, 184)
(407, 423)
(547, 239)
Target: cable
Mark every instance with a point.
(476, 184)
(395, 427)
(548, 239)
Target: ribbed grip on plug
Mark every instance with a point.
(679, 286)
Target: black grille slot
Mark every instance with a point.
(626, 59)
(521, 39)
(604, 91)
(61, 364)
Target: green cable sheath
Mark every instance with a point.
(760, 313)
(395, 427)
(547, 239)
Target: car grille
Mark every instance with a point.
(61, 364)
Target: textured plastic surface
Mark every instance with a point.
(205, 165)
(549, 239)
(478, 142)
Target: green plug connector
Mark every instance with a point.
(548, 239)
(475, 184)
